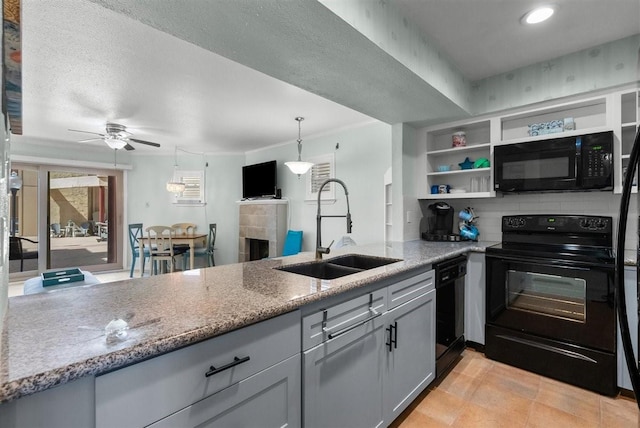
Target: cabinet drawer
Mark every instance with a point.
(410, 288)
(337, 318)
(269, 399)
(146, 392)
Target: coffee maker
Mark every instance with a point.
(439, 223)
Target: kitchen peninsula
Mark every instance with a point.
(55, 338)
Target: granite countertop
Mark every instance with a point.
(56, 337)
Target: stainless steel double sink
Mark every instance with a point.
(338, 267)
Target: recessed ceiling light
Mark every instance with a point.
(538, 15)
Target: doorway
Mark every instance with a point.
(73, 215)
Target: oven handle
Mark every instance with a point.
(584, 266)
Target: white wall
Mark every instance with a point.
(361, 161)
(148, 201)
(406, 210)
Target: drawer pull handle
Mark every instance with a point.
(236, 361)
(392, 343)
(331, 335)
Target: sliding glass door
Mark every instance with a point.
(74, 216)
(23, 221)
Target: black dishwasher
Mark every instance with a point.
(450, 343)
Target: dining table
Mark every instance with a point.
(182, 238)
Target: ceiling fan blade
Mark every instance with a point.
(129, 147)
(86, 132)
(89, 139)
(148, 143)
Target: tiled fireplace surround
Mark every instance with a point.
(262, 219)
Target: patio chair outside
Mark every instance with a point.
(83, 230)
(56, 231)
(17, 253)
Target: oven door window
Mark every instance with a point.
(547, 295)
(552, 299)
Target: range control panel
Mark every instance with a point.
(557, 223)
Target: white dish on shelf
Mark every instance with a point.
(457, 190)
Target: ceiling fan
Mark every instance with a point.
(116, 137)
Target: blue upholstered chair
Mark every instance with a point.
(135, 234)
(292, 243)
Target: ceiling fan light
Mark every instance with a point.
(299, 167)
(115, 143)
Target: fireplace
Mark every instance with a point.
(258, 249)
(264, 221)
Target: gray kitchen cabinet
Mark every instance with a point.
(370, 365)
(323, 323)
(68, 405)
(474, 302)
(149, 391)
(407, 289)
(343, 376)
(410, 350)
(268, 399)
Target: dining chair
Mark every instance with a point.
(208, 250)
(184, 229)
(161, 249)
(135, 234)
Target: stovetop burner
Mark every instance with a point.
(561, 237)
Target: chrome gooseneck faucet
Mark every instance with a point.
(320, 250)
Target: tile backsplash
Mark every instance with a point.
(491, 210)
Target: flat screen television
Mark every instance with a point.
(259, 180)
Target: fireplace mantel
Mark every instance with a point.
(262, 219)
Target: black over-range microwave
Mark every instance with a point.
(578, 163)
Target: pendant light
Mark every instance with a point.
(174, 185)
(299, 167)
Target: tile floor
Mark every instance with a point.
(479, 392)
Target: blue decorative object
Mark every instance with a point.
(467, 164)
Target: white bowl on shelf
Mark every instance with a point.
(457, 190)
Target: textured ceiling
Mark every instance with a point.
(486, 37)
(84, 65)
(210, 75)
